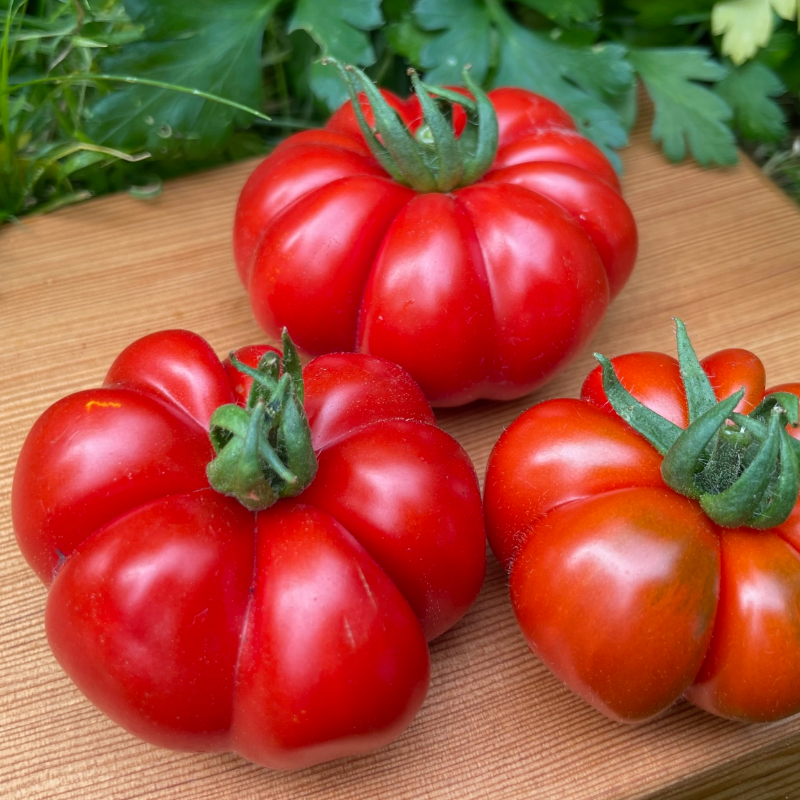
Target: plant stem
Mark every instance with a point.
(5, 58)
(5, 90)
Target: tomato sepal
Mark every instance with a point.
(264, 451)
(433, 159)
(660, 432)
(683, 463)
(743, 475)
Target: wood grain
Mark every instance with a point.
(719, 249)
(767, 774)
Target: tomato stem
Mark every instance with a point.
(743, 469)
(264, 450)
(434, 159)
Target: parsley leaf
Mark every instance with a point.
(747, 90)
(582, 79)
(338, 27)
(466, 39)
(746, 25)
(562, 12)
(687, 112)
(406, 39)
(205, 44)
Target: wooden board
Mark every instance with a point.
(720, 249)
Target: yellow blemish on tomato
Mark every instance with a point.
(102, 404)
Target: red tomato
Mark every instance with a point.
(292, 635)
(484, 290)
(626, 589)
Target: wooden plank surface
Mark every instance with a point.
(720, 249)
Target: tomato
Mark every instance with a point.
(630, 588)
(291, 634)
(481, 285)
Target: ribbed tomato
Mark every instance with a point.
(479, 263)
(652, 535)
(288, 622)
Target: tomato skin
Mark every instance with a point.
(624, 588)
(520, 112)
(291, 173)
(157, 364)
(750, 672)
(374, 498)
(596, 206)
(292, 635)
(643, 556)
(167, 579)
(557, 452)
(549, 289)
(324, 247)
(734, 369)
(331, 630)
(94, 456)
(346, 392)
(431, 229)
(299, 261)
(652, 378)
(655, 380)
(559, 146)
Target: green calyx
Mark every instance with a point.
(264, 450)
(744, 470)
(433, 160)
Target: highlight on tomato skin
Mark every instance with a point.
(481, 270)
(248, 554)
(651, 532)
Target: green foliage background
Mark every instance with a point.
(71, 127)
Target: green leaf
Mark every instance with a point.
(395, 10)
(687, 112)
(786, 9)
(748, 90)
(563, 12)
(465, 39)
(326, 84)
(788, 65)
(580, 79)
(338, 27)
(339, 30)
(657, 13)
(601, 70)
(780, 47)
(627, 107)
(210, 45)
(746, 25)
(407, 40)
